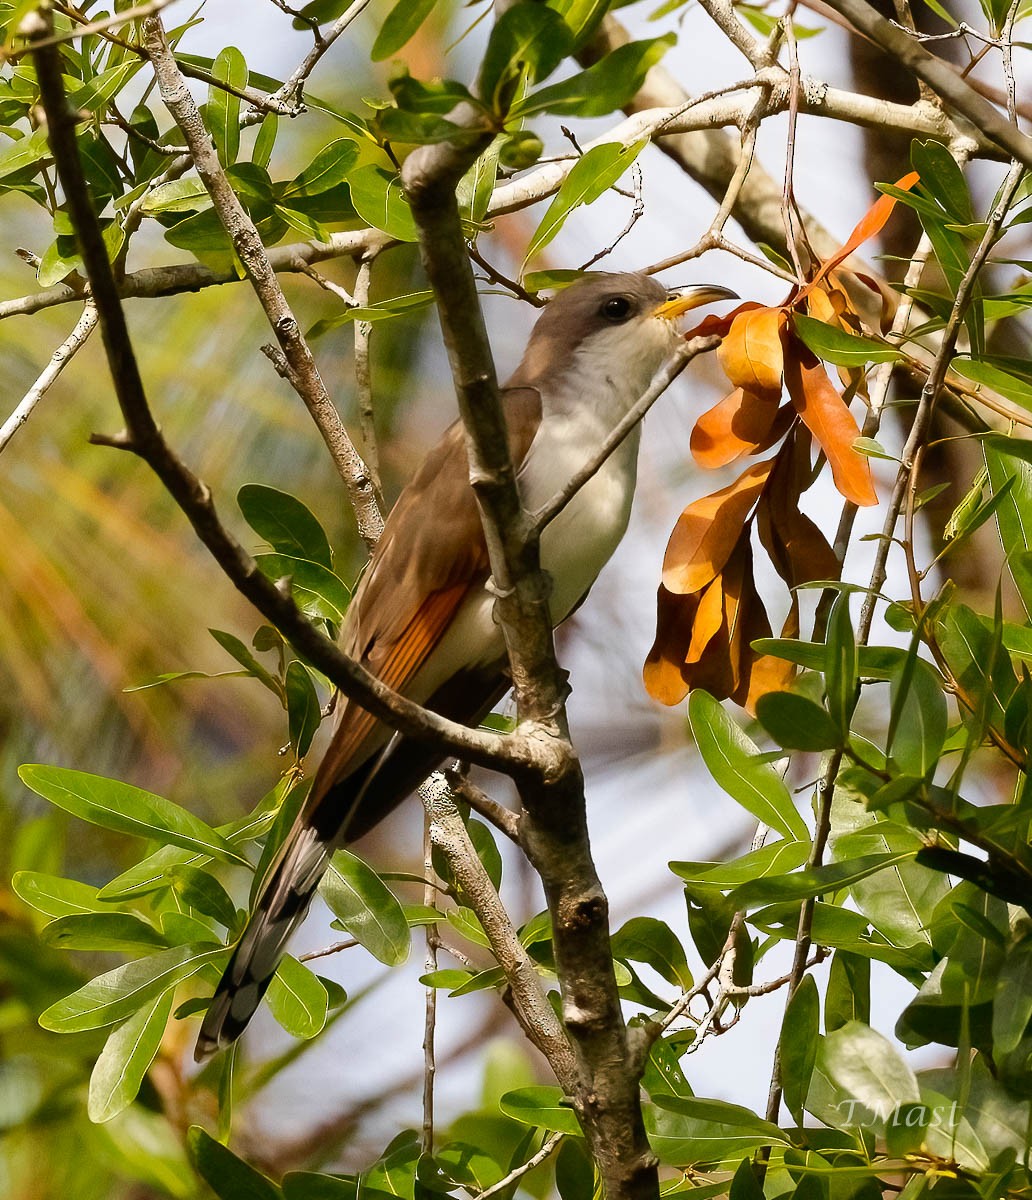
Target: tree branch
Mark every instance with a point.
(247, 243)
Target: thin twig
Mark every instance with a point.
(430, 996)
(60, 359)
(363, 376)
(248, 245)
(535, 1160)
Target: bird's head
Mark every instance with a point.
(624, 325)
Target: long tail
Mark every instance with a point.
(281, 907)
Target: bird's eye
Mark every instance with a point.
(616, 308)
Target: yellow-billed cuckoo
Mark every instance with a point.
(421, 619)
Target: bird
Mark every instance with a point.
(421, 618)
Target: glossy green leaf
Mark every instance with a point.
(366, 907)
(224, 106)
(316, 590)
(103, 931)
(525, 37)
(919, 730)
(848, 996)
(177, 195)
(942, 177)
(798, 1044)
(775, 859)
(25, 152)
(650, 941)
(55, 896)
(287, 524)
(377, 196)
(237, 650)
(304, 712)
(265, 140)
(117, 994)
(400, 24)
(229, 1177)
(297, 999)
(591, 177)
(126, 1058)
(815, 881)
(841, 665)
(1014, 515)
(1011, 387)
(328, 169)
(796, 722)
(688, 1131)
(200, 889)
(866, 1070)
(125, 809)
(397, 306)
(542, 1107)
(836, 346)
(736, 764)
(601, 89)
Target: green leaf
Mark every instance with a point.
(530, 37)
(1005, 463)
(1011, 387)
(287, 524)
(54, 896)
(102, 87)
(265, 141)
(1012, 1004)
(118, 994)
(920, 731)
(603, 88)
(798, 1044)
(223, 106)
(103, 931)
(26, 152)
(316, 590)
(125, 809)
(476, 187)
(942, 177)
(775, 859)
(297, 999)
(797, 722)
(688, 1131)
(591, 177)
(229, 1177)
(841, 666)
(126, 1059)
(866, 1069)
(237, 650)
(366, 907)
(465, 922)
(199, 889)
(303, 711)
(400, 24)
(542, 1107)
(329, 168)
(178, 195)
(815, 881)
(848, 997)
(378, 198)
(736, 764)
(650, 941)
(836, 346)
(397, 306)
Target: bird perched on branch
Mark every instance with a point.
(421, 619)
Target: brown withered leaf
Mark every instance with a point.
(751, 352)
(662, 674)
(796, 546)
(740, 424)
(822, 409)
(714, 657)
(707, 530)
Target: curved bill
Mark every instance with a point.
(693, 297)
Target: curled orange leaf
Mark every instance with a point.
(751, 353)
(872, 222)
(825, 414)
(707, 530)
(739, 424)
(662, 674)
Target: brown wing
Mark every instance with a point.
(431, 554)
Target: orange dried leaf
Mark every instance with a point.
(707, 530)
(825, 414)
(720, 323)
(715, 657)
(738, 425)
(751, 352)
(872, 222)
(662, 674)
